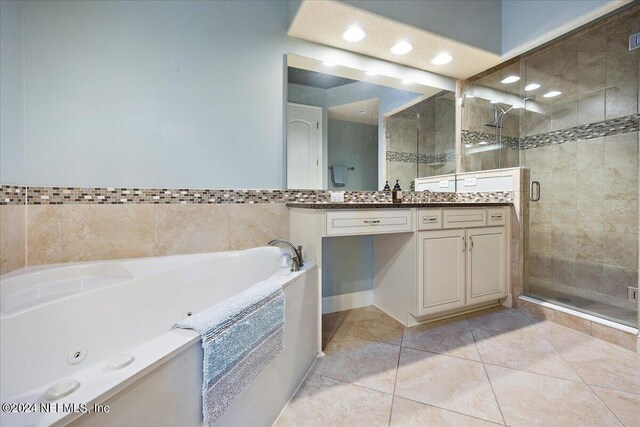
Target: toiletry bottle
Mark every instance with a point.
(396, 194)
(386, 186)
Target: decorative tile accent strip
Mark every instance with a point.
(609, 127)
(12, 195)
(117, 196)
(476, 138)
(401, 156)
(592, 130)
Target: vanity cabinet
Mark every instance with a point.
(461, 267)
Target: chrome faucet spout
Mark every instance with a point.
(296, 256)
(428, 193)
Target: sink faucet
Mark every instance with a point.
(296, 258)
(429, 193)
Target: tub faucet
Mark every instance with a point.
(296, 258)
(428, 193)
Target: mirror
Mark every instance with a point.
(348, 129)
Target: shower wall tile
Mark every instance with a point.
(622, 100)
(589, 275)
(590, 214)
(591, 184)
(621, 150)
(591, 108)
(44, 234)
(12, 237)
(565, 115)
(621, 249)
(563, 241)
(564, 156)
(617, 279)
(621, 62)
(564, 271)
(621, 183)
(589, 245)
(590, 154)
(621, 216)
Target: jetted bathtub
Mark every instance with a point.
(70, 321)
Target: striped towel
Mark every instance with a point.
(240, 336)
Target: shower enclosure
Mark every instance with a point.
(569, 113)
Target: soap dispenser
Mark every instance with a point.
(396, 194)
(386, 186)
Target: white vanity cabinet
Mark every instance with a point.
(462, 265)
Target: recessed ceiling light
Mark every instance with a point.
(371, 73)
(407, 82)
(552, 94)
(531, 86)
(401, 48)
(354, 34)
(493, 101)
(441, 59)
(510, 79)
(328, 64)
(482, 143)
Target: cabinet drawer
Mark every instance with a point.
(459, 218)
(368, 222)
(496, 216)
(429, 219)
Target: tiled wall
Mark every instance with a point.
(45, 225)
(584, 230)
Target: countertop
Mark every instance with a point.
(395, 205)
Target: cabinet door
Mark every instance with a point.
(440, 271)
(486, 264)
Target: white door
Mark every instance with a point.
(304, 146)
(441, 264)
(486, 264)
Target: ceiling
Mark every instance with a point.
(324, 21)
(312, 78)
(358, 112)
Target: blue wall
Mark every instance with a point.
(524, 20)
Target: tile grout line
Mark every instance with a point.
(589, 385)
(495, 396)
(395, 381)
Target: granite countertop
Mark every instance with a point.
(327, 205)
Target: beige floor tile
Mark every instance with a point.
(529, 400)
(325, 402)
(369, 323)
(370, 364)
(447, 382)
(451, 337)
(596, 361)
(407, 413)
(330, 324)
(499, 319)
(625, 406)
(522, 350)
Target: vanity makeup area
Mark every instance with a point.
(416, 261)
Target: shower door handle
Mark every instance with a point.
(534, 194)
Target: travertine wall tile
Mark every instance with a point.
(100, 232)
(12, 237)
(185, 229)
(255, 225)
(44, 235)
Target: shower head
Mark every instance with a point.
(529, 98)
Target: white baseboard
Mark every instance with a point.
(347, 301)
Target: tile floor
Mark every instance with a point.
(495, 367)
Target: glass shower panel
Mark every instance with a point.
(436, 135)
(491, 120)
(579, 139)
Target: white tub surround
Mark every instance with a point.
(430, 261)
(95, 312)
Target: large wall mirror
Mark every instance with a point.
(349, 129)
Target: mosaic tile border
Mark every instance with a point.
(16, 195)
(401, 156)
(12, 194)
(609, 127)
